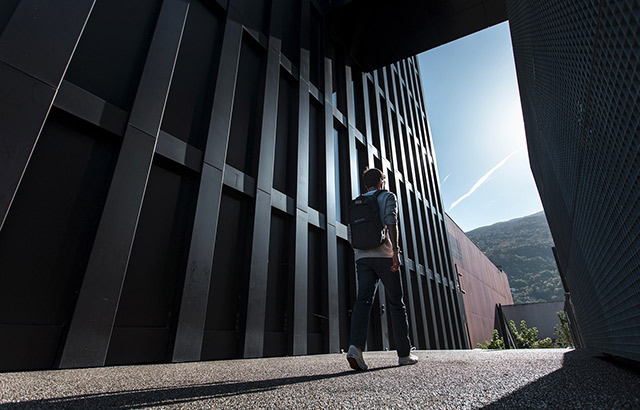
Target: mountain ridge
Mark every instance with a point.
(521, 247)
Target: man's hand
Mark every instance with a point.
(396, 262)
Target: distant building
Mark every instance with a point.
(541, 315)
(482, 284)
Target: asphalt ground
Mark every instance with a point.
(454, 379)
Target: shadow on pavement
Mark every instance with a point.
(143, 398)
(587, 380)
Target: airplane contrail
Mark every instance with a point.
(482, 180)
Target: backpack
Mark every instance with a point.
(367, 230)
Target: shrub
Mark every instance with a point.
(526, 338)
(563, 334)
(496, 342)
(545, 343)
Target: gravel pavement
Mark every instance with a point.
(454, 379)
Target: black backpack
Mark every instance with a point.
(367, 231)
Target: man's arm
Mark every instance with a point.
(393, 237)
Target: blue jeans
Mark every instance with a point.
(369, 271)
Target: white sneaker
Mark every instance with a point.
(355, 359)
(411, 359)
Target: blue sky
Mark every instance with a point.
(473, 105)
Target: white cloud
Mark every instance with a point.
(482, 180)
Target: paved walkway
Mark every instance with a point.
(463, 379)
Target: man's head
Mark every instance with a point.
(373, 178)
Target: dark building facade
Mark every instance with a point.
(174, 178)
(578, 66)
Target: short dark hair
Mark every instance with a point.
(371, 177)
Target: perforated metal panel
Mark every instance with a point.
(578, 66)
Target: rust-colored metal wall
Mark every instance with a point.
(482, 283)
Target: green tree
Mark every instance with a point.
(496, 342)
(545, 343)
(526, 338)
(563, 333)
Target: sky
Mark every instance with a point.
(473, 107)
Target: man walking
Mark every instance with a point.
(372, 265)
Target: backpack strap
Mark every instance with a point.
(378, 192)
(375, 195)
